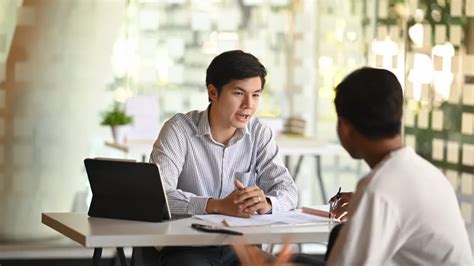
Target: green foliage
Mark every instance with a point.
(116, 117)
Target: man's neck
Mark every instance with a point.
(379, 149)
(219, 133)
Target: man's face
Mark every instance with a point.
(237, 101)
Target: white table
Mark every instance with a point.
(98, 233)
(302, 147)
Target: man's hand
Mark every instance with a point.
(251, 199)
(340, 210)
(226, 206)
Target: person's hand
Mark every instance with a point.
(251, 199)
(340, 210)
(226, 206)
(253, 256)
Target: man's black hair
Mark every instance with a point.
(234, 65)
(371, 100)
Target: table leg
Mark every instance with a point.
(136, 256)
(121, 255)
(320, 178)
(294, 173)
(96, 256)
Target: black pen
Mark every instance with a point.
(214, 229)
(332, 204)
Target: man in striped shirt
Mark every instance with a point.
(223, 160)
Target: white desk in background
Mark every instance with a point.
(98, 233)
(301, 147)
(289, 146)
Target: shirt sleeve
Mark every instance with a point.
(273, 177)
(169, 153)
(370, 237)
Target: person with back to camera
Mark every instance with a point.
(222, 160)
(404, 211)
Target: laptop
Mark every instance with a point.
(126, 190)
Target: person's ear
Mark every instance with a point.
(212, 92)
(344, 126)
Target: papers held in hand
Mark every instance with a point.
(322, 210)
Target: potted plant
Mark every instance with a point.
(118, 120)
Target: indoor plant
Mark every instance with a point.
(118, 120)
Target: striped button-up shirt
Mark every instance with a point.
(195, 168)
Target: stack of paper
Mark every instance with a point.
(289, 218)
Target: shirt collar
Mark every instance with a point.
(203, 127)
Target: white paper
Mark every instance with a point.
(438, 149)
(453, 152)
(290, 218)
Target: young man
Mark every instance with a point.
(404, 212)
(223, 160)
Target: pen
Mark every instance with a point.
(213, 229)
(333, 203)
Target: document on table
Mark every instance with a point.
(290, 218)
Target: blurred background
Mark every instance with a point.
(72, 70)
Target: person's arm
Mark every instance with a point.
(169, 152)
(273, 177)
(370, 237)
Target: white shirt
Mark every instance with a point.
(195, 168)
(404, 212)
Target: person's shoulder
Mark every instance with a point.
(183, 121)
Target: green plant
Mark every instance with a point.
(116, 117)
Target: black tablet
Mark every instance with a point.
(126, 190)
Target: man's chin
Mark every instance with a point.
(240, 125)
